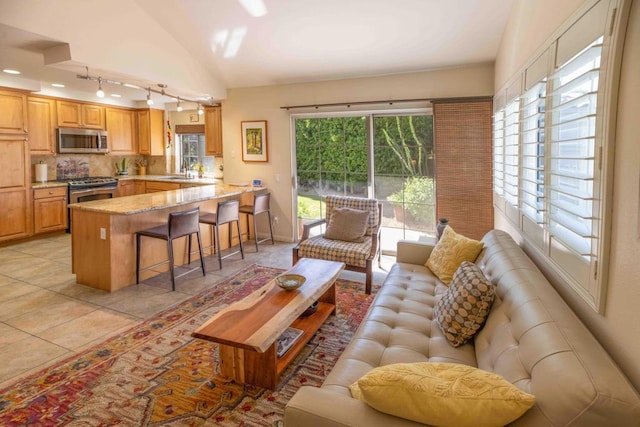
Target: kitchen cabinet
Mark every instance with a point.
(213, 131)
(49, 209)
(126, 188)
(151, 132)
(15, 178)
(79, 115)
(155, 186)
(13, 112)
(140, 187)
(41, 125)
(121, 129)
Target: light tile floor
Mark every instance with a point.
(46, 316)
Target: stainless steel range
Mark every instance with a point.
(90, 188)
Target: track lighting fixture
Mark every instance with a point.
(100, 92)
(161, 89)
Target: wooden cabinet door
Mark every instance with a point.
(49, 209)
(140, 187)
(93, 116)
(121, 127)
(69, 114)
(151, 132)
(126, 188)
(15, 176)
(78, 115)
(155, 186)
(42, 125)
(213, 131)
(144, 141)
(13, 112)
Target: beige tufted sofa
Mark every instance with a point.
(531, 337)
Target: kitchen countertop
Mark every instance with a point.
(48, 184)
(171, 178)
(130, 205)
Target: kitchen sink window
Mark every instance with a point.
(192, 149)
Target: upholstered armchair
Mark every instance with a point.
(352, 236)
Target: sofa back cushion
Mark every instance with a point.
(534, 340)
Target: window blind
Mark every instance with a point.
(572, 157)
(511, 126)
(498, 152)
(532, 121)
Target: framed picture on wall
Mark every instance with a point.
(254, 141)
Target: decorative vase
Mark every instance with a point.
(142, 170)
(442, 224)
(200, 174)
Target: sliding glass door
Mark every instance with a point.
(389, 157)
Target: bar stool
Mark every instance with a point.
(180, 224)
(261, 204)
(227, 212)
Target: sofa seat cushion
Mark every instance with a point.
(399, 328)
(351, 253)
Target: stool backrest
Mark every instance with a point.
(261, 203)
(228, 211)
(183, 223)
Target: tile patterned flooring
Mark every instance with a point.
(46, 316)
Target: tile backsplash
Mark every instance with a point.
(71, 166)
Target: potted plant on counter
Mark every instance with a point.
(121, 167)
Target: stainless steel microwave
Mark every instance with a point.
(83, 141)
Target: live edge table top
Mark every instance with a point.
(255, 322)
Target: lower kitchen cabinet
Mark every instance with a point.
(154, 186)
(49, 209)
(15, 197)
(126, 188)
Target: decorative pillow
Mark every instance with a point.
(347, 224)
(442, 394)
(462, 310)
(450, 251)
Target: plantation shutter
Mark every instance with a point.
(463, 152)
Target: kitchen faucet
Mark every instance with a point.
(185, 168)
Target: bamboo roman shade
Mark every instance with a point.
(463, 149)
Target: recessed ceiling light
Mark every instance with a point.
(57, 85)
(115, 95)
(9, 71)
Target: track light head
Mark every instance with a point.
(179, 108)
(149, 100)
(100, 92)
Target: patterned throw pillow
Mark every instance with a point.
(462, 310)
(347, 224)
(451, 250)
(442, 394)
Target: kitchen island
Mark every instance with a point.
(103, 240)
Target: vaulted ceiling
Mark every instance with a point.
(199, 48)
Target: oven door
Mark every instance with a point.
(87, 194)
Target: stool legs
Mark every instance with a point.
(255, 228)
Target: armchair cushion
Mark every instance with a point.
(348, 225)
(359, 203)
(351, 253)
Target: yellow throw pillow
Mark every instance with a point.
(450, 251)
(442, 394)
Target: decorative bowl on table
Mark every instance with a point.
(289, 282)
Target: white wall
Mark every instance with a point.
(263, 103)
(618, 329)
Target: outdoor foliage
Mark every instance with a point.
(418, 196)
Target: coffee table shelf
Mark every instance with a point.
(310, 326)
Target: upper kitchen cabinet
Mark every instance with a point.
(13, 112)
(15, 177)
(80, 115)
(42, 125)
(151, 132)
(121, 130)
(213, 131)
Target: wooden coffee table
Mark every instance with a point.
(248, 329)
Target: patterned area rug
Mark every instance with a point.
(157, 374)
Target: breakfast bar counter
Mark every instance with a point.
(103, 232)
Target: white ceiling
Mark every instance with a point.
(294, 41)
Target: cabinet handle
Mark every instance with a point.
(50, 192)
